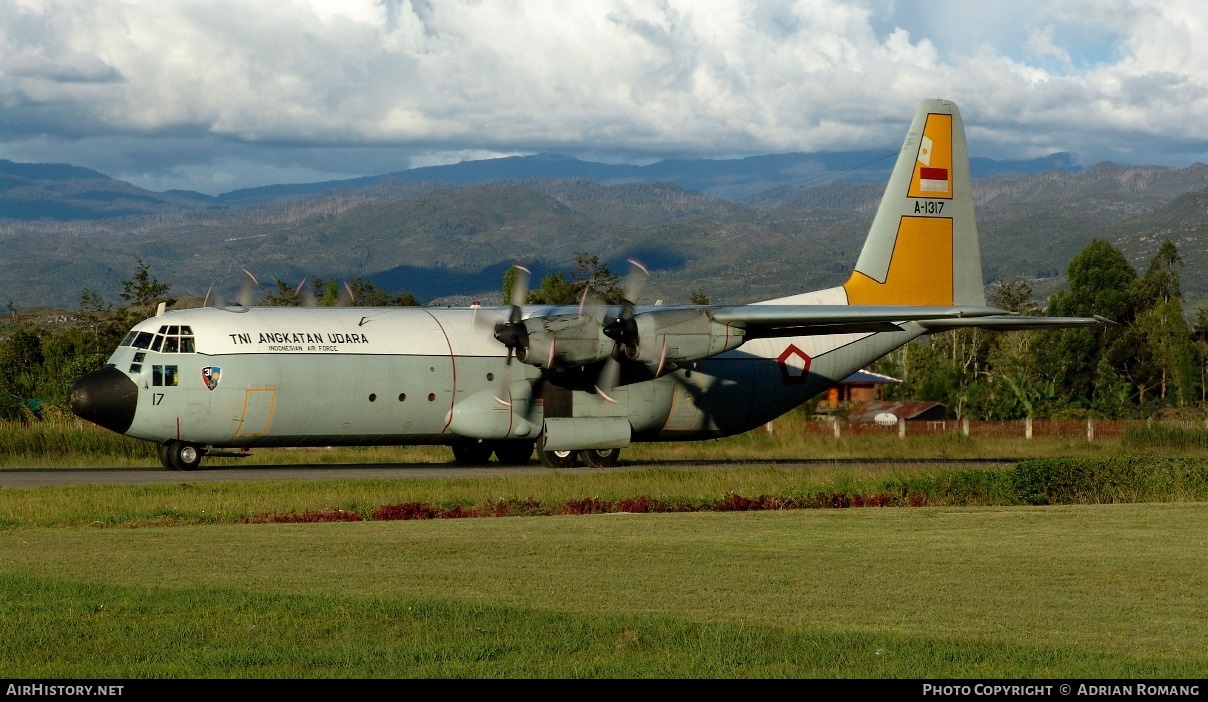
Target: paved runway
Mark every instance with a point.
(37, 477)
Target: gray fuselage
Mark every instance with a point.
(248, 377)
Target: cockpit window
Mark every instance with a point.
(170, 339)
(165, 375)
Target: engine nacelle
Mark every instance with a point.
(688, 334)
(564, 340)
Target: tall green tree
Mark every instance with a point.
(1160, 338)
(1100, 282)
(143, 291)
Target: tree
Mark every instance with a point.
(1200, 345)
(589, 273)
(509, 284)
(1014, 295)
(1161, 282)
(283, 296)
(331, 292)
(21, 362)
(142, 290)
(102, 329)
(698, 297)
(1101, 282)
(366, 293)
(555, 289)
(1161, 337)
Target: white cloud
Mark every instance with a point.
(652, 77)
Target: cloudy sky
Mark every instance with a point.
(214, 95)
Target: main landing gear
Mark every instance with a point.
(518, 453)
(180, 455)
(593, 458)
(477, 453)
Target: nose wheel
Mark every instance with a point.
(180, 455)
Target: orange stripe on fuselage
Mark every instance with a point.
(920, 271)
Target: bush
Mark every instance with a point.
(1056, 481)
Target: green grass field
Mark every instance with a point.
(1093, 591)
(165, 580)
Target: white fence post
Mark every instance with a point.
(1090, 429)
(835, 422)
(901, 428)
(965, 426)
(1027, 427)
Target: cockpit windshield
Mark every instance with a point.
(170, 339)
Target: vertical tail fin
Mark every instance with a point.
(922, 247)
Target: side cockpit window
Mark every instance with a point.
(142, 340)
(164, 376)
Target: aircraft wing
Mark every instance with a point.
(765, 321)
(1017, 323)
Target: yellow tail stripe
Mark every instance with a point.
(920, 271)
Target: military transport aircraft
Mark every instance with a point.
(574, 383)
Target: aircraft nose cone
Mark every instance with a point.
(106, 397)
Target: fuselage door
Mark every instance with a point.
(258, 405)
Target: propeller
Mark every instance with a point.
(622, 330)
(512, 333)
(306, 295)
(248, 290)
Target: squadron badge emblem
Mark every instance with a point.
(210, 375)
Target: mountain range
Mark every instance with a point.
(738, 230)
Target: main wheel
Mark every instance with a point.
(555, 459)
(165, 455)
(559, 459)
(600, 458)
(182, 455)
(514, 453)
(471, 454)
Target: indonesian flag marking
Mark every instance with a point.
(933, 180)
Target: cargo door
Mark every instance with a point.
(258, 405)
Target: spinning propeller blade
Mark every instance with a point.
(512, 333)
(248, 291)
(622, 330)
(306, 294)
